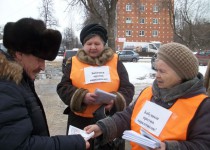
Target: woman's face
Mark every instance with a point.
(31, 64)
(94, 46)
(166, 77)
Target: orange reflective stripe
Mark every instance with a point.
(182, 113)
(78, 80)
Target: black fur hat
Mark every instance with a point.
(31, 36)
(93, 29)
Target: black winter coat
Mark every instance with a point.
(23, 123)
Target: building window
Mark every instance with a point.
(155, 21)
(155, 33)
(155, 8)
(128, 33)
(128, 7)
(128, 20)
(142, 21)
(142, 7)
(141, 33)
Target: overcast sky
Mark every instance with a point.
(13, 10)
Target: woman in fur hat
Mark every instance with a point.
(23, 124)
(175, 109)
(94, 66)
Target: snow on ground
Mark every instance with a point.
(141, 71)
(59, 58)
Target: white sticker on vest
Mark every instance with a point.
(153, 117)
(97, 74)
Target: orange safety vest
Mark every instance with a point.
(78, 80)
(176, 127)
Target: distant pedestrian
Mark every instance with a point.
(23, 123)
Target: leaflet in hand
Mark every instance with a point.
(74, 130)
(104, 97)
(144, 139)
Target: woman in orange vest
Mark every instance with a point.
(94, 67)
(175, 109)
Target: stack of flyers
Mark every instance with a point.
(104, 97)
(144, 139)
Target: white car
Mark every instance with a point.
(128, 55)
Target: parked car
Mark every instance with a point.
(153, 59)
(156, 43)
(67, 54)
(128, 55)
(203, 57)
(61, 51)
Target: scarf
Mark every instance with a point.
(184, 90)
(106, 55)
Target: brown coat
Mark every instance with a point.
(73, 96)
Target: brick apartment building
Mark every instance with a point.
(142, 21)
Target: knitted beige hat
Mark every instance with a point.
(180, 59)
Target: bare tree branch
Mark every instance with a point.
(47, 13)
(102, 12)
(186, 21)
